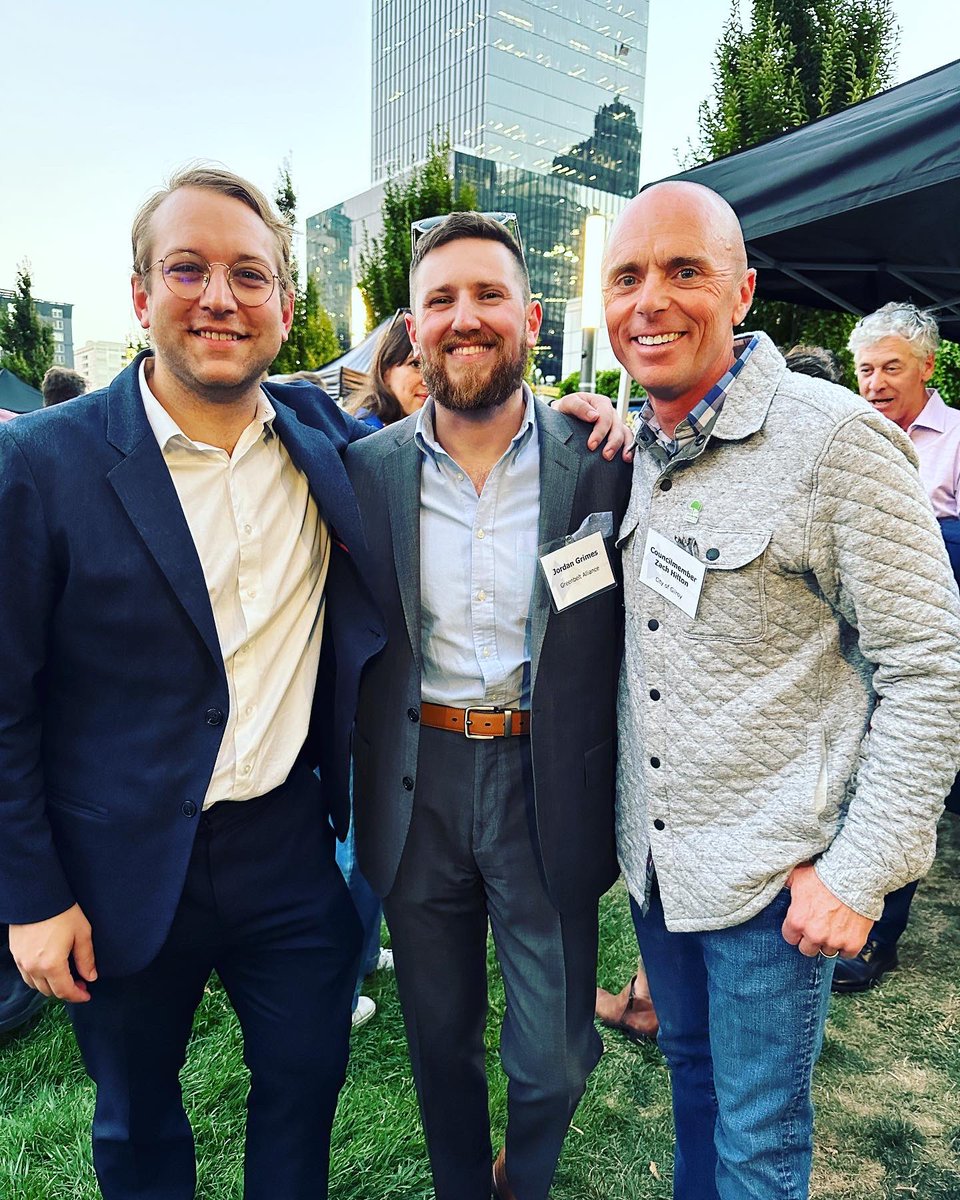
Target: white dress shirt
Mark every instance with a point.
(264, 550)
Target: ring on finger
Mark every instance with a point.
(835, 954)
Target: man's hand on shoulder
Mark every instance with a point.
(818, 921)
(601, 413)
(42, 952)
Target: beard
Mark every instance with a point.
(476, 389)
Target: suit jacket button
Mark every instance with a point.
(413, 714)
(407, 783)
(658, 824)
(213, 716)
(188, 808)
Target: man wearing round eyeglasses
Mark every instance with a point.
(185, 616)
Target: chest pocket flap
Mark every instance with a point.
(732, 604)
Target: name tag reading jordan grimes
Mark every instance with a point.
(672, 572)
(577, 571)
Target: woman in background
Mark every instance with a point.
(396, 386)
(396, 390)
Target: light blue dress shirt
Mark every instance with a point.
(477, 561)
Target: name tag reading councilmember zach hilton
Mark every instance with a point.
(577, 571)
(672, 572)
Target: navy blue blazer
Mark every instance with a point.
(113, 695)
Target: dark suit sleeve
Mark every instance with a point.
(32, 882)
(357, 429)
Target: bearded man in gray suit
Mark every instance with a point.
(485, 742)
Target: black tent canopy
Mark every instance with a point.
(857, 208)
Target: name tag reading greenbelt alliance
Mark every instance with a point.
(579, 569)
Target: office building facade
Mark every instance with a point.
(56, 314)
(541, 101)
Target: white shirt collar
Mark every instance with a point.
(165, 429)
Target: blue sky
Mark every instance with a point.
(103, 100)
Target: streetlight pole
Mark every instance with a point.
(594, 235)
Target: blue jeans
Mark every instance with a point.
(367, 904)
(741, 1024)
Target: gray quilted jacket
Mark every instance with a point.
(811, 709)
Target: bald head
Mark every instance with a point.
(678, 199)
(675, 283)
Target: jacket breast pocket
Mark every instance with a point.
(74, 807)
(733, 605)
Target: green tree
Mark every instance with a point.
(26, 342)
(946, 375)
(426, 191)
(794, 61)
(608, 384)
(312, 341)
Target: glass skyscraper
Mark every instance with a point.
(552, 86)
(542, 103)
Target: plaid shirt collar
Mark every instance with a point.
(692, 432)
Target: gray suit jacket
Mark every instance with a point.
(574, 668)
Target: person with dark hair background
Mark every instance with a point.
(396, 386)
(59, 384)
(815, 361)
(396, 390)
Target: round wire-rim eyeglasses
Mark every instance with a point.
(188, 275)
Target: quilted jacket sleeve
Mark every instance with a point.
(878, 555)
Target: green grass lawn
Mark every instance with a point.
(888, 1090)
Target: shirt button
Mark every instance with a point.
(252, 593)
(188, 808)
(213, 716)
(658, 824)
(248, 529)
(653, 624)
(712, 554)
(407, 783)
(666, 485)
(699, 439)
(460, 477)
(654, 694)
(486, 652)
(654, 762)
(248, 711)
(246, 769)
(481, 595)
(413, 714)
(480, 534)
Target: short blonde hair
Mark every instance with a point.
(215, 179)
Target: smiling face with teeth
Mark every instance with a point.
(471, 325)
(675, 283)
(212, 348)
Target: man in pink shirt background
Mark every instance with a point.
(895, 350)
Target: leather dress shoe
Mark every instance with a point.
(18, 1003)
(501, 1185)
(865, 969)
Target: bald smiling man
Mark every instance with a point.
(786, 589)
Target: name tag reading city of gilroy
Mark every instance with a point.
(672, 572)
(579, 565)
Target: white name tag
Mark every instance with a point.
(672, 572)
(577, 571)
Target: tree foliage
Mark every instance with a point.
(26, 342)
(428, 190)
(608, 384)
(313, 340)
(795, 61)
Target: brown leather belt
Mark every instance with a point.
(480, 721)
